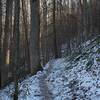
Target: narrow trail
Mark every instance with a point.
(45, 92)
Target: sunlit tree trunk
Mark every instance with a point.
(10, 68)
(6, 41)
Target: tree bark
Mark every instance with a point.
(25, 22)
(0, 43)
(35, 36)
(16, 38)
(6, 42)
(54, 31)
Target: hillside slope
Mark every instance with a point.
(75, 77)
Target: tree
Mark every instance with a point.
(43, 30)
(35, 36)
(16, 38)
(7, 30)
(0, 41)
(90, 15)
(54, 30)
(85, 20)
(25, 23)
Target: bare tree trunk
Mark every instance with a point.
(6, 42)
(90, 16)
(85, 21)
(35, 36)
(0, 42)
(45, 30)
(81, 21)
(16, 38)
(59, 31)
(10, 76)
(25, 22)
(54, 31)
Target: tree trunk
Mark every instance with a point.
(85, 21)
(54, 31)
(25, 22)
(6, 42)
(16, 38)
(35, 36)
(0, 43)
(45, 31)
(90, 16)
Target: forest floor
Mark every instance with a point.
(75, 77)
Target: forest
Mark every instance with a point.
(35, 32)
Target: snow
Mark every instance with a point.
(71, 78)
(29, 90)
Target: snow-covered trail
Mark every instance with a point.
(46, 93)
(44, 89)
